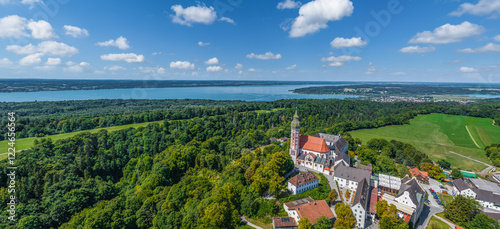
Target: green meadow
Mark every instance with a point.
(26, 143)
(439, 134)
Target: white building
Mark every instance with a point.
(348, 177)
(389, 183)
(360, 203)
(320, 152)
(488, 199)
(409, 201)
(302, 182)
(308, 208)
(462, 188)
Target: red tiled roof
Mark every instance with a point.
(314, 210)
(313, 144)
(373, 201)
(303, 178)
(284, 222)
(416, 172)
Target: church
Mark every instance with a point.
(321, 152)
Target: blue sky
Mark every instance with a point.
(324, 40)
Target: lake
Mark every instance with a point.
(246, 93)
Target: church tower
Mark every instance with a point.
(295, 137)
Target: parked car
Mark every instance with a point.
(430, 189)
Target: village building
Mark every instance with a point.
(302, 182)
(409, 201)
(460, 187)
(308, 208)
(389, 184)
(284, 223)
(360, 205)
(488, 199)
(349, 177)
(420, 175)
(321, 152)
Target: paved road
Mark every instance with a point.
(249, 224)
(433, 208)
(485, 171)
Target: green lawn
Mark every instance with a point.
(445, 199)
(438, 134)
(436, 223)
(26, 143)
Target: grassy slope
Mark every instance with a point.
(437, 223)
(26, 143)
(438, 134)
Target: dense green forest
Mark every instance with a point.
(32, 85)
(404, 90)
(195, 169)
(36, 119)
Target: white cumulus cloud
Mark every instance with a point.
(75, 32)
(41, 30)
(288, 4)
(228, 20)
(27, 49)
(341, 42)
(252, 70)
(13, 26)
(56, 48)
(448, 33)
(32, 59)
(291, 67)
(482, 8)
(497, 38)
(120, 42)
(337, 61)
(193, 14)
(212, 61)
(417, 49)
(203, 43)
(467, 69)
(47, 47)
(239, 66)
(78, 68)
(127, 57)
(184, 65)
(266, 56)
(487, 48)
(315, 15)
(53, 61)
(214, 69)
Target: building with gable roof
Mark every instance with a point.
(302, 182)
(409, 201)
(350, 177)
(308, 208)
(321, 152)
(462, 188)
(360, 205)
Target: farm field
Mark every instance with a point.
(439, 134)
(26, 143)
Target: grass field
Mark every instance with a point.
(438, 134)
(436, 223)
(26, 143)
